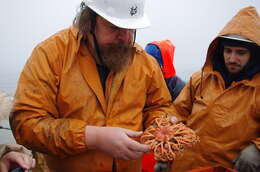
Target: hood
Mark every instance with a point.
(245, 23)
(163, 52)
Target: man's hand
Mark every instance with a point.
(13, 160)
(115, 141)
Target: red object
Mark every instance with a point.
(167, 51)
(148, 163)
(213, 169)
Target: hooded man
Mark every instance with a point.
(163, 52)
(87, 93)
(222, 101)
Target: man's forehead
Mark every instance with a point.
(105, 22)
(236, 48)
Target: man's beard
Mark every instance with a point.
(116, 56)
(235, 75)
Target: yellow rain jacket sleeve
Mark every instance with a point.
(182, 107)
(37, 119)
(60, 92)
(227, 120)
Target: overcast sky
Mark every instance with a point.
(190, 24)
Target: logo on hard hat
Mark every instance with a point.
(133, 10)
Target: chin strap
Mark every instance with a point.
(96, 47)
(92, 32)
(134, 37)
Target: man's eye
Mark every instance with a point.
(242, 52)
(113, 28)
(227, 51)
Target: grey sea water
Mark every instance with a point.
(8, 82)
(6, 136)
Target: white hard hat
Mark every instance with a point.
(127, 14)
(237, 37)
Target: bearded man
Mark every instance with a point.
(86, 93)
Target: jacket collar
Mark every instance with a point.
(90, 74)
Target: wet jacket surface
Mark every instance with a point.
(226, 119)
(59, 93)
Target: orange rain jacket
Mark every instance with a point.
(60, 92)
(226, 120)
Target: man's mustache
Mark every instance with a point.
(234, 64)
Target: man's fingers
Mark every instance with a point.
(3, 167)
(30, 162)
(138, 147)
(133, 134)
(24, 161)
(134, 145)
(33, 163)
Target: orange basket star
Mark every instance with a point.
(167, 140)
